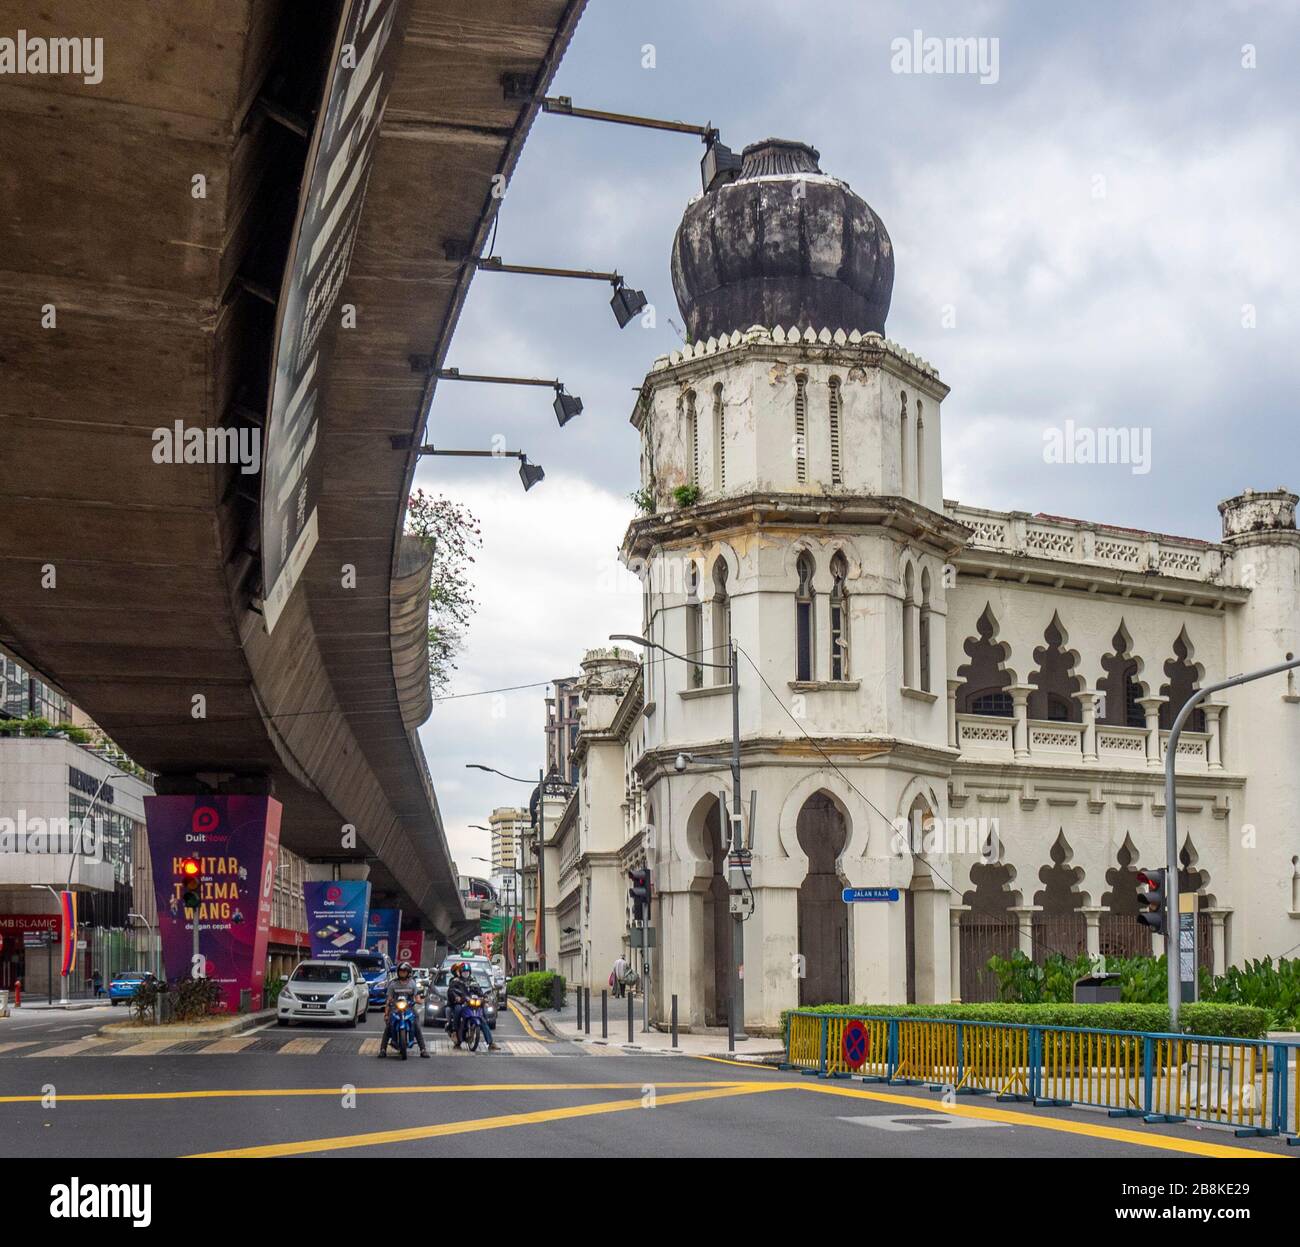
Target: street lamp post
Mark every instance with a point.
(1173, 933)
(738, 851)
(149, 929)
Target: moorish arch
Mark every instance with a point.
(985, 677)
(1121, 933)
(1054, 679)
(1122, 686)
(988, 928)
(716, 925)
(823, 922)
(1183, 677)
(1059, 925)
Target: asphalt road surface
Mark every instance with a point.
(316, 1091)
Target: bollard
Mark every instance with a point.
(731, 1025)
(604, 1013)
(674, 1021)
(586, 1025)
(629, 1017)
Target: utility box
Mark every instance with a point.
(1097, 989)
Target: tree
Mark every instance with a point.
(450, 532)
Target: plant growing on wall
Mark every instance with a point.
(450, 532)
(644, 500)
(686, 495)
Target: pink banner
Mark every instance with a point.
(235, 841)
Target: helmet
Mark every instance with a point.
(404, 968)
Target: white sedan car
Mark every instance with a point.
(323, 991)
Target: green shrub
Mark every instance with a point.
(1261, 984)
(271, 990)
(686, 495)
(536, 987)
(145, 997)
(1201, 1018)
(194, 998)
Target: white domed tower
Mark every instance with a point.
(793, 500)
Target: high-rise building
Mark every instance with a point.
(507, 823)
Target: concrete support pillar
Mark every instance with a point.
(1025, 926)
(771, 965)
(1214, 747)
(679, 959)
(953, 686)
(954, 949)
(1088, 704)
(1219, 928)
(1151, 708)
(932, 946)
(1092, 916)
(879, 938)
(1020, 733)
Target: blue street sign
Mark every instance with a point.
(869, 894)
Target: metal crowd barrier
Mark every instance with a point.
(1243, 1083)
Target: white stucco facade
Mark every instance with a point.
(1004, 681)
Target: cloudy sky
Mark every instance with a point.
(1107, 235)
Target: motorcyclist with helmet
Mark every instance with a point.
(403, 984)
(460, 987)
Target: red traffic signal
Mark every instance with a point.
(639, 892)
(1152, 899)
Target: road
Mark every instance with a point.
(312, 1091)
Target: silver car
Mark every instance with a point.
(323, 991)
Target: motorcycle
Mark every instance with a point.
(471, 1022)
(402, 1022)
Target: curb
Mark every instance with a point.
(179, 1033)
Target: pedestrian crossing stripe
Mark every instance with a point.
(284, 1045)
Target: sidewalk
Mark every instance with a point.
(713, 1042)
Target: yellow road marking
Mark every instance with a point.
(75, 1048)
(241, 1093)
(523, 1021)
(369, 1047)
(1115, 1134)
(218, 1046)
(343, 1142)
(150, 1047)
(303, 1047)
(21, 1043)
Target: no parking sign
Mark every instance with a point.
(854, 1045)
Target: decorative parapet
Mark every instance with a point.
(1096, 545)
(871, 342)
(408, 627)
(1262, 511)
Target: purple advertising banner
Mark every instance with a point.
(235, 841)
(336, 916)
(382, 933)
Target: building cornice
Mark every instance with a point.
(714, 519)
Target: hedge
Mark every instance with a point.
(1199, 1018)
(536, 987)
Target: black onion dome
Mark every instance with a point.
(783, 244)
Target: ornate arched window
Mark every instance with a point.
(801, 428)
(719, 439)
(920, 451)
(839, 617)
(721, 621)
(692, 438)
(909, 627)
(804, 619)
(903, 452)
(833, 420)
(923, 642)
(694, 627)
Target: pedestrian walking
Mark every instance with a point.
(617, 976)
(98, 980)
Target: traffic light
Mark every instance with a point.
(1152, 899)
(640, 892)
(190, 883)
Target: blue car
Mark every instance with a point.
(122, 986)
(377, 970)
